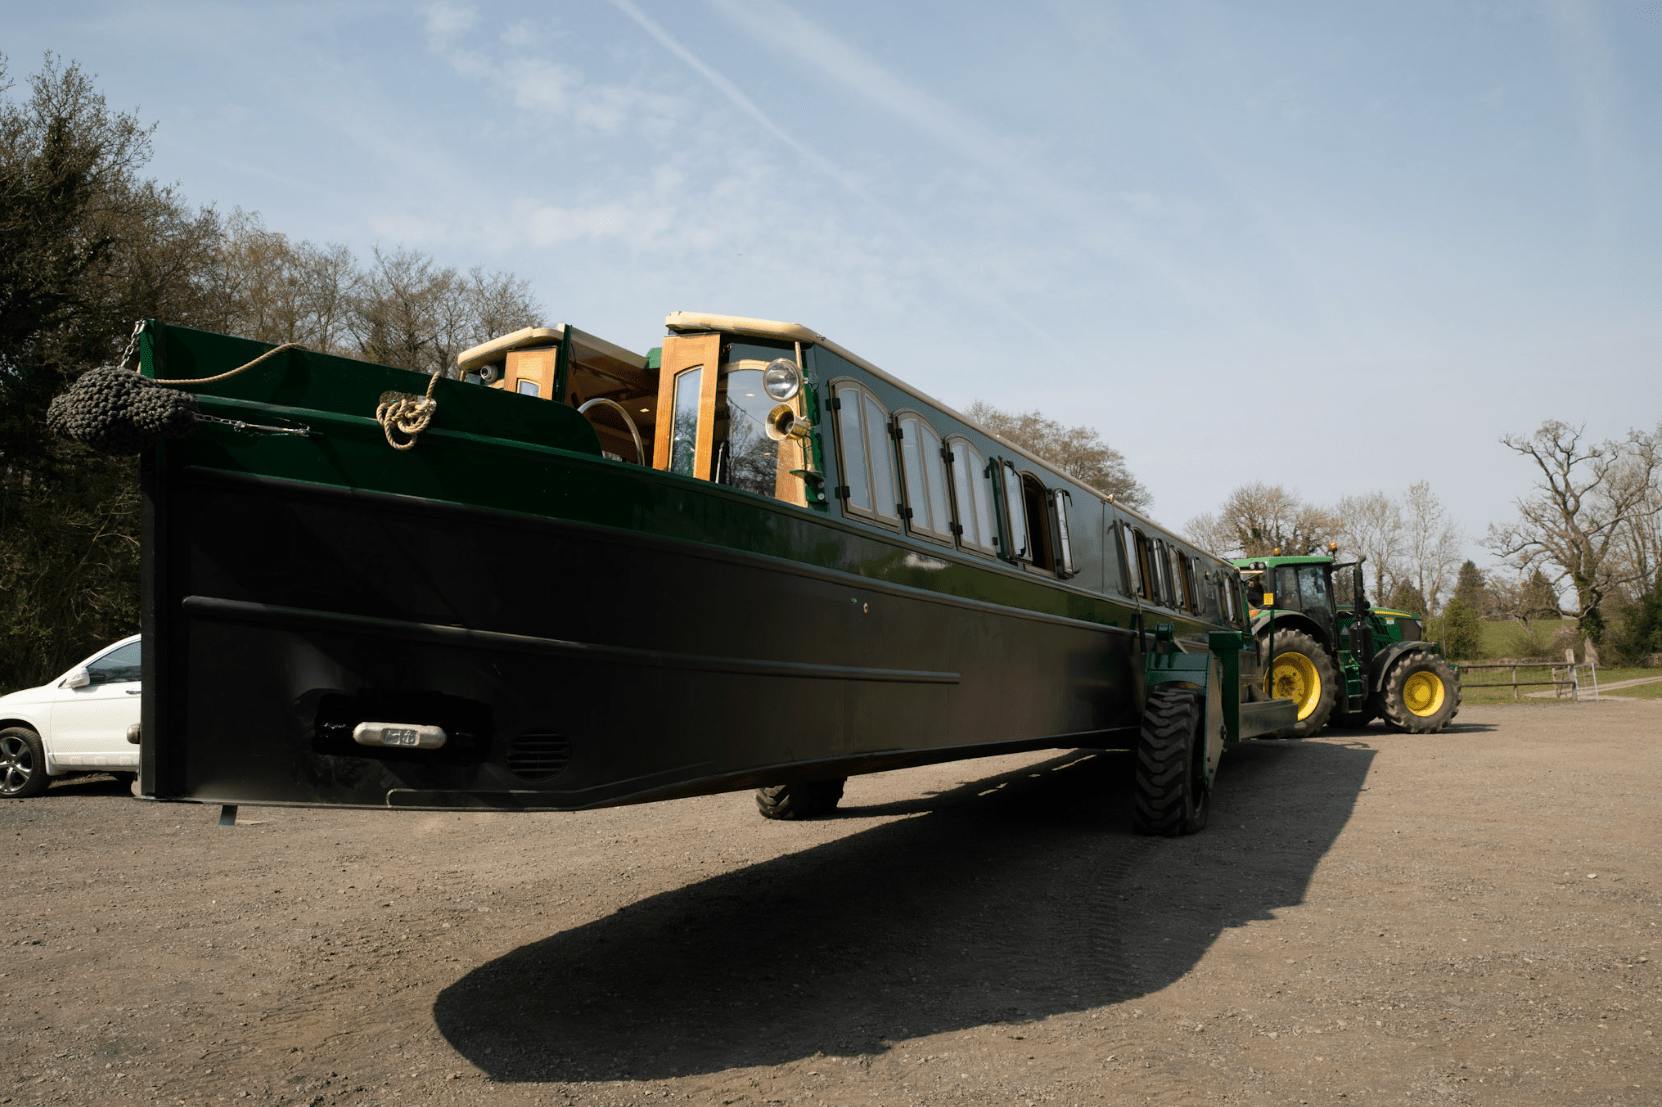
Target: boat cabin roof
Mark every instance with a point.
(530, 337)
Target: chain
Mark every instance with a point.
(127, 355)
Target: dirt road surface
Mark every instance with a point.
(1473, 917)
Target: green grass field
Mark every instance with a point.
(1504, 638)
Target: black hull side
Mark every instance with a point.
(576, 665)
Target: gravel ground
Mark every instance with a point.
(1470, 917)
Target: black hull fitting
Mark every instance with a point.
(697, 669)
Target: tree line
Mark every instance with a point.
(1585, 544)
(88, 245)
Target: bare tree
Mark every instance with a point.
(1371, 526)
(1261, 518)
(1584, 496)
(1079, 452)
(1431, 548)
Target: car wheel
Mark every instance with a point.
(22, 764)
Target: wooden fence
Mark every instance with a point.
(1569, 678)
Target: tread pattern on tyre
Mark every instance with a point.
(1300, 642)
(1396, 713)
(810, 799)
(38, 781)
(1166, 802)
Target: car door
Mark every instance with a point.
(89, 724)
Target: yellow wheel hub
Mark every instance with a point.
(1294, 677)
(1423, 693)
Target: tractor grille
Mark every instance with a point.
(538, 756)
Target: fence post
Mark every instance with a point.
(1575, 679)
(1514, 684)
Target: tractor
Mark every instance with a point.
(1348, 662)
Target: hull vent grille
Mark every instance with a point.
(538, 756)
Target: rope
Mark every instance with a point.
(408, 416)
(228, 374)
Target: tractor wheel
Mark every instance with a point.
(1173, 795)
(1421, 693)
(810, 799)
(1302, 672)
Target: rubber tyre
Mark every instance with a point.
(1296, 641)
(1173, 795)
(1394, 701)
(809, 799)
(22, 764)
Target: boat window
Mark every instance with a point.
(923, 473)
(1126, 546)
(1021, 546)
(1039, 538)
(863, 446)
(1183, 578)
(973, 496)
(526, 387)
(1147, 580)
(684, 428)
(1163, 591)
(746, 457)
(1064, 540)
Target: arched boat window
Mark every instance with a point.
(972, 494)
(862, 425)
(1061, 498)
(923, 473)
(683, 441)
(1019, 547)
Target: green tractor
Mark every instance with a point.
(1350, 662)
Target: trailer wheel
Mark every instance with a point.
(809, 799)
(1421, 693)
(1173, 794)
(22, 763)
(1302, 672)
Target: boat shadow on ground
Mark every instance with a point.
(1002, 901)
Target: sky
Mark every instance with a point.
(1341, 247)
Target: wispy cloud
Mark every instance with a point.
(559, 90)
(1101, 225)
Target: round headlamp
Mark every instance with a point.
(781, 379)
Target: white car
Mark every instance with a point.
(84, 721)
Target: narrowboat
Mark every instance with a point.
(572, 575)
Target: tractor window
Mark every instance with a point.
(1286, 588)
(1315, 593)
